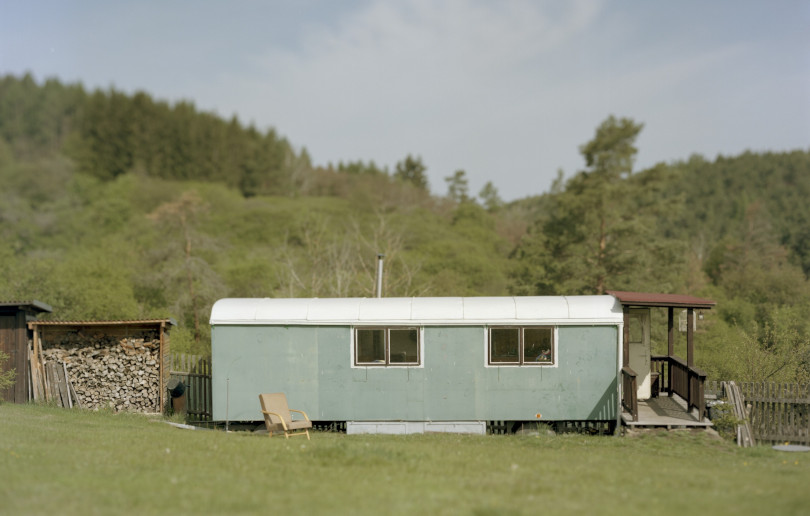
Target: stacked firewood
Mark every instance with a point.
(107, 372)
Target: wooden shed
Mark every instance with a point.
(14, 342)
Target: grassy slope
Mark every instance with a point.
(76, 462)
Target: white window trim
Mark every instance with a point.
(421, 335)
(554, 335)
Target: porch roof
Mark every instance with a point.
(664, 300)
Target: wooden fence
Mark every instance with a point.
(777, 412)
(195, 372)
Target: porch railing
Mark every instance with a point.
(660, 364)
(687, 382)
(630, 392)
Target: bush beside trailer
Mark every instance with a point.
(402, 365)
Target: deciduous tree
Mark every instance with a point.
(180, 261)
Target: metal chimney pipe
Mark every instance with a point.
(378, 290)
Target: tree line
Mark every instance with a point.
(120, 206)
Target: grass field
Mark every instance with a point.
(56, 461)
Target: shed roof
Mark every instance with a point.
(418, 310)
(649, 299)
(122, 323)
(32, 305)
(104, 323)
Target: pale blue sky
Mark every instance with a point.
(506, 90)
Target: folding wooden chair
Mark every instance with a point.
(278, 417)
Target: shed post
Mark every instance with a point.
(670, 331)
(21, 358)
(690, 353)
(690, 337)
(670, 345)
(162, 371)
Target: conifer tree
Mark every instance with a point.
(458, 186)
(601, 230)
(412, 170)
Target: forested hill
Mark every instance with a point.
(121, 206)
(108, 134)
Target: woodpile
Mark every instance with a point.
(101, 371)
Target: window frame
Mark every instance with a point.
(520, 362)
(387, 346)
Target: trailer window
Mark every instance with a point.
(517, 345)
(504, 345)
(371, 346)
(386, 346)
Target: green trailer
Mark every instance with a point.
(402, 365)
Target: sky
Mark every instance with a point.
(505, 90)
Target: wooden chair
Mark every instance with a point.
(278, 417)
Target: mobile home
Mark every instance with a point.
(416, 364)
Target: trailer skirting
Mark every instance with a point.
(416, 427)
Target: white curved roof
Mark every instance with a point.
(419, 311)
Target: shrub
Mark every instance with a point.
(726, 422)
(7, 378)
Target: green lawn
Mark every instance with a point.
(57, 461)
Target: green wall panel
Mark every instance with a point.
(312, 365)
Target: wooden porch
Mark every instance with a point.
(665, 411)
(677, 391)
